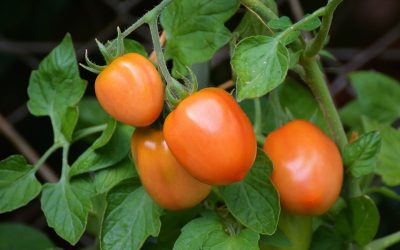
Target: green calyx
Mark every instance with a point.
(175, 91)
(110, 51)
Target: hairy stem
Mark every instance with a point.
(318, 42)
(317, 83)
(88, 131)
(158, 50)
(384, 242)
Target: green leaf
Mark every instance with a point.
(361, 155)
(130, 46)
(326, 54)
(131, 216)
(326, 239)
(246, 239)
(20, 237)
(388, 192)
(66, 206)
(311, 24)
(254, 202)
(278, 240)
(389, 156)
(290, 37)
(261, 64)
(377, 97)
(108, 178)
(196, 232)
(298, 101)
(56, 88)
(282, 23)
(364, 218)
(250, 25)
(91, 113)
(18, 184)
(100, 156)
(195, 29)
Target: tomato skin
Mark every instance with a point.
(167, 182)
(131, 90)
(308, 168)
(211, 137)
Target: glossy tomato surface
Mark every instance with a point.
(131, 90)
(308, 170)
(167, 182)
(211, 137)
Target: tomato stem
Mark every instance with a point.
(317, 83)
(257, 116)
(384, 242)
(88, 131)
(318, 42)
(44, 157)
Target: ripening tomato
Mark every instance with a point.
(211, 137)
(308, 169)
(130, 89)
(167, 182)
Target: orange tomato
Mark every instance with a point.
(211, 137)
(166, 181)
(308, 169)
(131, 90)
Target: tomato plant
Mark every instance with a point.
(308, 168)
(124, 85)
(224, 124)
(163, 177)
(211, 137)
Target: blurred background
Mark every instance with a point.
(365, 35)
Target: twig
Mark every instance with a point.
(23, 146)
(365, 56)
(163, 39)
(226, 85)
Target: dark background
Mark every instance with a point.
(365, 35)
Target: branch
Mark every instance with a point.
(163, 39)
(365, 56)
(23, 146)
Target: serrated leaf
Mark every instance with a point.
(18, 184)
(20, 237)
(389, 157)
(196, 232)
(95, 157)
(261, 64)
(195, 29)
(131, 217)
(282, 23)
(246, 239)
(108, 178)
(311, 24)
(66, 206)
(378, 98)
(364, 219)
(56, 88)
(254, 202)
(361, 155)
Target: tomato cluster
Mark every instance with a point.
(208, 140)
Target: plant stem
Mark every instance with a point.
(44, 157)
(65, 166)
(257, 116)
(158, 50)
(88, 131)
(318, 42)
(319, 12)
(145, 18)
(384, 242)
(316, 81)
